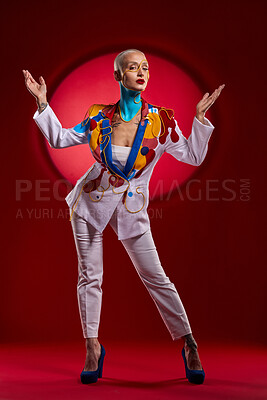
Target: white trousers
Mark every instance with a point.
(143, 254)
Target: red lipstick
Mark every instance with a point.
(141, 81)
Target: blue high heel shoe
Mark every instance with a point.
(193, 375)
(92, 376)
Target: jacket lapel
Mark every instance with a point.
(135, 148)
(106, 150)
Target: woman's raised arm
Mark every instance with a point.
(38, 90)
(57, 136)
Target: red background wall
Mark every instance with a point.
(213, 250)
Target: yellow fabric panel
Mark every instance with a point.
(94, 109)
(92, 112)
(94, 136)
(140, 161)
(153, 126)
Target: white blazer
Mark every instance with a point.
(104, 187)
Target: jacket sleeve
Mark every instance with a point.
(194, 149)
(57, 136)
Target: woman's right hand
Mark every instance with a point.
(36, 89)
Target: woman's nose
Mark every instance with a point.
(140, 72)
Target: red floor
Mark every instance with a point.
(131, 371)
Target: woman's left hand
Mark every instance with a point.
(206, 102)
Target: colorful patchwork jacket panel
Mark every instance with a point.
(104, 187)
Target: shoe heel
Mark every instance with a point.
(100, 371)
(101, 362)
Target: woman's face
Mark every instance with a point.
(135, 71)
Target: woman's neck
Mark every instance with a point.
(128, 101)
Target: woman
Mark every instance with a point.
(126, 139)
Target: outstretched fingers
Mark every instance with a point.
(209, 100)
(31, 78)
(206, 95)
(41, 80)
(28, 76)
(217, 92)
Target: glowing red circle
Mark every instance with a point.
(93, 82)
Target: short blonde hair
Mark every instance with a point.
(118, 62)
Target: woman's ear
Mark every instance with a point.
(117, 75)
